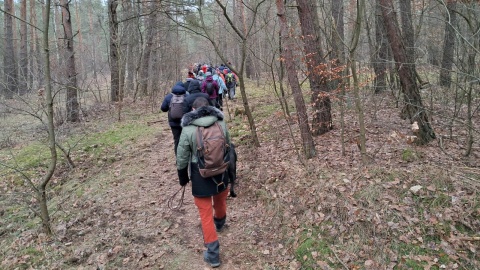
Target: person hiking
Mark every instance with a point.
(231, 80)
(210, 194)
(210, 87)
(173, 104)
(222, 88)
(190, 77)
(195, 92)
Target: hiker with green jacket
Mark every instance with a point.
(210, 194)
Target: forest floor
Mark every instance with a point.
(407, 207)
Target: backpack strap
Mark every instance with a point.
(200, 141)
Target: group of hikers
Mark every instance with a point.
(220, 81)
(203, 147)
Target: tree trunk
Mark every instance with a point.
(9, 61)
(380, 65)
(408, 33)
(41, 193)
(338, 59)
(33, 74)
(72, 105)
(144, 72)
(356, 83)
(316, 66)
(448, 45)
(243, 36)
(306, 135)
(413, 108)
(81, 74)
(114, 74)
(131, 40)
(23, 61)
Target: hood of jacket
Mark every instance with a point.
(204, 117)
(194, 87)
(209, 79)
(178, 89)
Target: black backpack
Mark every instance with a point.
(209, 88)
(213, 154)
(176, 107)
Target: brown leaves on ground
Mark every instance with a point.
(409, 206)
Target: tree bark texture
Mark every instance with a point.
(72, 106)
(114, 72)
(9, 61)
(316, 67)
(448, 45)
(306, 135)
(380, 65)
(41, 192)
(337, 56)
(23, 57)
(413, 108)
(33, 74)
(408, 33)
(144, 72)
(131, 40)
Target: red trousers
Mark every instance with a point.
(208, 208)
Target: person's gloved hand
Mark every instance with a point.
(183, 176)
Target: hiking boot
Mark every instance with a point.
(219, 223)
(212, 254)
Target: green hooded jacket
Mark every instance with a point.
(187, 151)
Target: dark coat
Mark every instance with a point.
(195, 92)
(187, 152)
(187, 83)
(177, 89)
(210, 79)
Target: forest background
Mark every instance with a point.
(356, 124)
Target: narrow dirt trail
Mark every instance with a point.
(133, 227)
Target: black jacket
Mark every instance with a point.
(195, 92)
(177, 89)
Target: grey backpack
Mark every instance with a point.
(176, 107)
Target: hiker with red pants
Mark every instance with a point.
(210, 193)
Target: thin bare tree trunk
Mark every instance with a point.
(41, 192)
(114, 72)
(413, 108)
(306, 135)
(144, 71)
(381, 52)
(356, 84)
(9, 60)
(448, 45)
(23, 57)
(338, 59)
(72, 106)
(81, 47)
(239, 71)
(33, 74)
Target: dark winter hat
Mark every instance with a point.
(194, 86)
(178, 88)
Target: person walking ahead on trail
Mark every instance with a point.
(210, 194)
(210, 87)
(195, 92)
(173, 104)
(222, 88)
(190, 77)
(231, 80)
